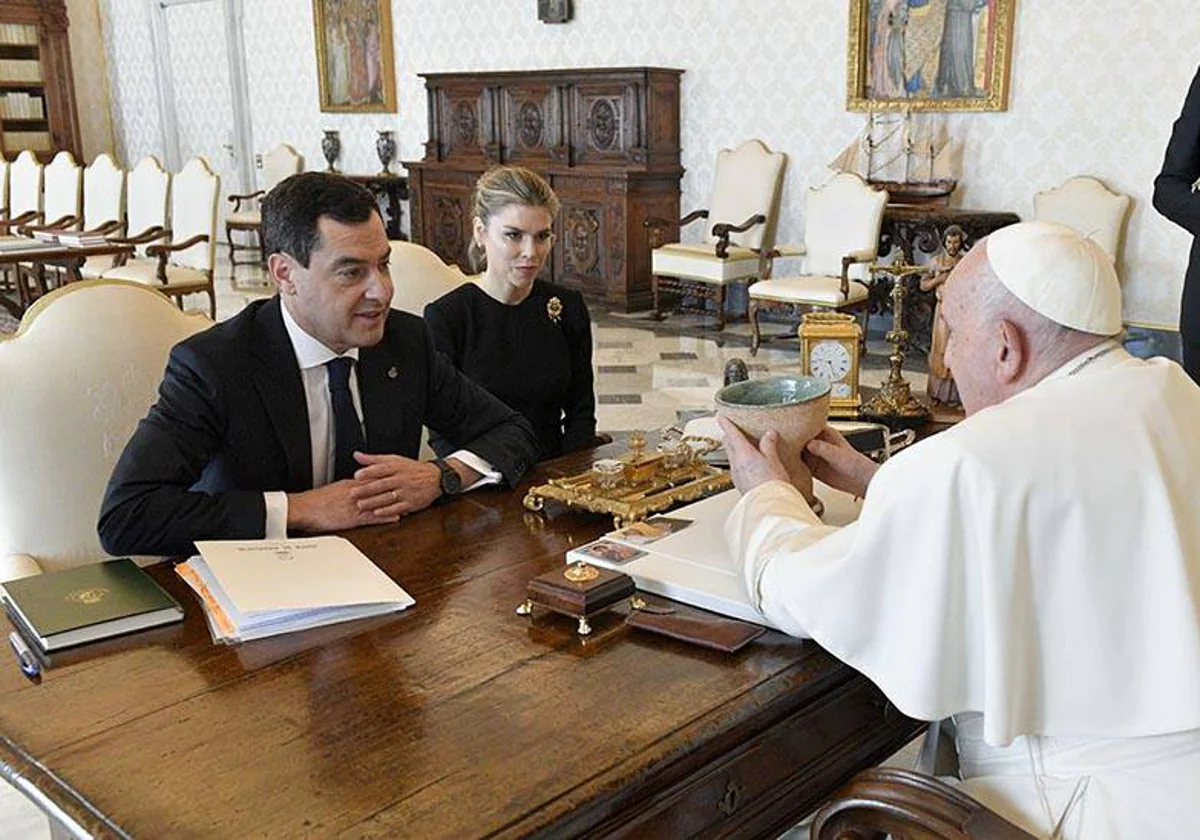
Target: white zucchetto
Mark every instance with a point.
(1058, 273)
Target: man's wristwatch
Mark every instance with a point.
(451, 480)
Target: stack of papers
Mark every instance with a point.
(256, 588)
(70, 238)
(24, 243)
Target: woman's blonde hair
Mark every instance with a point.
(503, 186)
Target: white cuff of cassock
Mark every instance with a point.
(488, 474)
(277, 511)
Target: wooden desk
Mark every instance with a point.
(454, 719)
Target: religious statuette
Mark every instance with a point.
(941, 390)
(638, 484)
(829, 345)
(895, 405)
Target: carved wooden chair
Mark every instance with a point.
(62, 196)
(739, 232)
(66, 424)
(24, 193)
(903, 805)
(278, 164)
(185, 265)
(1085, 204)
(841, 236)
(103, 208)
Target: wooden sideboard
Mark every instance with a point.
(606, 139)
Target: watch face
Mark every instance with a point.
(829, 360)
(451, 481)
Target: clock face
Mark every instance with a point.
(829, 360)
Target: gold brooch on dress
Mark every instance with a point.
(554, 309)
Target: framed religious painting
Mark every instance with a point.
(929, 55)
(355, 70)
(554, 11)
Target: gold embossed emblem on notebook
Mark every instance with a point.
(88, 597)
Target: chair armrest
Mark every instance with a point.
(57, 226)
(722, 230)
(238, 199)
(849, 260)
(14, 566)
(28, 217)
(165, 249)
(899, 802)
(104, 229)
(151, 234)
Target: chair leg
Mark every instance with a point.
(756, 339)
(720, 308)
(212, 303)
(658, 315)
(232, 249)
(262, 248)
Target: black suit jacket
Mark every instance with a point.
(1175, 199)
(231, 422)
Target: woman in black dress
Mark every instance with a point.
(526, 341)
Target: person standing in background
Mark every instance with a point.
(1176, 196)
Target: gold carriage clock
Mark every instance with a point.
(829, 344)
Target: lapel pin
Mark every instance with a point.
(393, 372)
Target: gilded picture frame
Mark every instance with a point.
(929, 55)
(355, 67)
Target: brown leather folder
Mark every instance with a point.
(707, 630)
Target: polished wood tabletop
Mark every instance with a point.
(456, 718)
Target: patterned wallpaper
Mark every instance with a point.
(1091, 93)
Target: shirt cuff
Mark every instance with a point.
(277, 513)
(488, 474)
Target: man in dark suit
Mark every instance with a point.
(304, 412)
(1176, 197)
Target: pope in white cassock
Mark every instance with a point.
(1033, 572)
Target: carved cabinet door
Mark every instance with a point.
(531, 127)
(580, 253)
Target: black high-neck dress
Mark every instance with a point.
(536, 356)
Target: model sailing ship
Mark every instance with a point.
(915, 164)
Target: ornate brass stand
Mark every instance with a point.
(644, 484)
(895, 405)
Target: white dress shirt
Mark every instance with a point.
(311, 356)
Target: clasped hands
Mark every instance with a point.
(830, 457)
(382, 490)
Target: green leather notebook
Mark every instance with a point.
(61, 609)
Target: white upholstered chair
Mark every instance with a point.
(103, 207)
(185, 265)
(420, 277)
(739, 231)
(1085, 204)
(841, 236)
(62, 192)
(147, 192)
(66, 424)
(24, 192)
(278, 164)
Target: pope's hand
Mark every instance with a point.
(835, 462)
(394, 485)
(332, 508)
(751, 467)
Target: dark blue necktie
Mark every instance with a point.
(347, 431)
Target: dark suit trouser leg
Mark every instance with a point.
(1189, 322)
